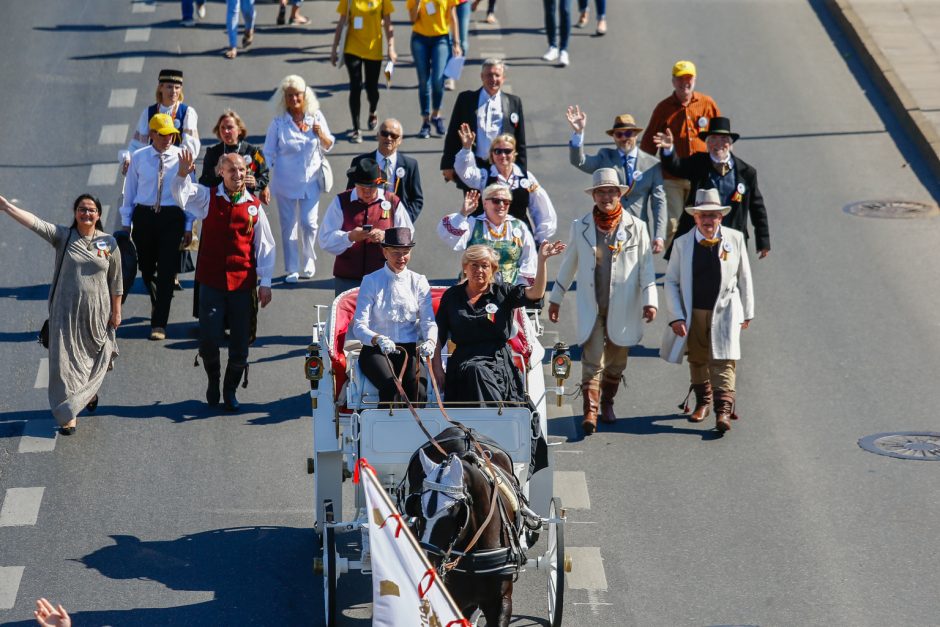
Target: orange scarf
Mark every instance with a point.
(607, 222)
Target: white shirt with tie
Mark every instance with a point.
(489, 121)
(144, 177)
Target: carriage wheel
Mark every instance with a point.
(555, 556)
(329, 575)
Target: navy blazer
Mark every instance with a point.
(465, 111)
(407, 187)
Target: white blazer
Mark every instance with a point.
(632, 279)
(734, 305)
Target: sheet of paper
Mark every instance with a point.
(389, 68)
(454, 68)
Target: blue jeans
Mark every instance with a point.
(430, 56)
(463, 23)
(188, 7)
(599, 5)
(563, 27)
(231, 18)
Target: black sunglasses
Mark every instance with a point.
(389, 134)
(502, 151)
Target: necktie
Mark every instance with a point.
(709, 243)
(721, 168)
(156, 205)
(628, 169)
(387, 174)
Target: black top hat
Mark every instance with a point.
(170, 76)
(366, 173)
(398, 237)
(719, 126)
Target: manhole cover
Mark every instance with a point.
(904, 445)
(892, 209)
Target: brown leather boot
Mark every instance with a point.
(608, 392)
(591, 392)
(703, 401)
(724, 409)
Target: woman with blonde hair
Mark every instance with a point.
(294, 146)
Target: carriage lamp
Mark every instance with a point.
(313, 368)
(561, 365)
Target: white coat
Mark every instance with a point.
(632, 279)
(734, 305)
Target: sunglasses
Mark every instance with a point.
(389, 134)
(625, 134)
(502, 151)
(500, 201)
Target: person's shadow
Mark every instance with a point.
(656, 425)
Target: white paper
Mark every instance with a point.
(389, 69)
(454, 68)
(430, 7)
(357, 22)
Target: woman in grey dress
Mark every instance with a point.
(84, 306)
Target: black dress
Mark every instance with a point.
(481, 368)
(254, 159)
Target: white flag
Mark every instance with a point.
(406, 590)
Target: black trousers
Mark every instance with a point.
(355, 66)
(373, 365)
(157, 237)
(215, 307)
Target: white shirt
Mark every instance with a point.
(143, 174)
(456, 230)
(189, 134)
(392, 164)
(489, 121)
(333, 239)
(294, 156)
(397, 306)
(699, 236)
(540, 205)
(194, 199)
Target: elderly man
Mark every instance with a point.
(489, 112)
(637, 170)
(236, 252)
(157, 220)
(400, 171)
(709, 299)
(685, 112)
(354, 225)
(735, 180)
(609, 254)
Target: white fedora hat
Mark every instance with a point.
(606, 177)
(707, 200)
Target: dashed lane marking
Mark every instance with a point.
(113, 134)
(42, 375)
(21, 507)
(140, 34)
(489, 36)
(103, 174)
(587, 571)
(39, 436)
(142, 7)
(492, 54)
(131, 65)
(571, 487)
(122, 98)
(10, 577)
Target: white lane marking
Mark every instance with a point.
(572, 452)
(113, 134)
(492, 54)
(39, 436)
(587, 568)
(490, 36)
(104, 215)
(103, 174)
(142, 7)
(121, 98)
(571, 487)
(20, 507)
(42, 375)
(131, 65)
(10, 577)
(137, 34)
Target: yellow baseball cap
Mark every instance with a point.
(683, 68)
(163, 124)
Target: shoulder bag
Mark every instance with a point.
(44, 331)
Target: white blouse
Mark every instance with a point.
(397, 306)
(294, 156)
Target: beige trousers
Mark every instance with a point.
(701, 365)
(677, 191)
(599, 354)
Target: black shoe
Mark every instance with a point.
(213, 373)
(92, 405)
(233, 376)
(282, 15)
(67, 430)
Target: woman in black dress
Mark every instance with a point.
(477, 316)
(232, 132)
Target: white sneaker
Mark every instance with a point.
(450, 84)
(563, 58)
(293, 277)
(551, 55)
(308, 274)
(201, 11)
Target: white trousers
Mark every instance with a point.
(298, 217)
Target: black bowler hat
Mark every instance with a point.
(719, 126)
(366, 173)
(398, 237)
(171, 76)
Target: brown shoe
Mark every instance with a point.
(608, 392)
(724, 408)
(703, 401)
(591, 392)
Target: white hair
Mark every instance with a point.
(292, 81)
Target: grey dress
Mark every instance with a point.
(81, 343)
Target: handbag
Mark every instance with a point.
(43, 337)
(325, 172)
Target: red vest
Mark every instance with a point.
(363, 258)
(226, 252)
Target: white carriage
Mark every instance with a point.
(349, 424)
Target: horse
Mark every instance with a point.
(450, 501)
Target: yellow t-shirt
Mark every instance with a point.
(364, 38)
(435, 22)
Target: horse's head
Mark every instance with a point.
(445, 502)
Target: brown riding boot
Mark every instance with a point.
(724, 409)
(591, 392)
(703, 401)
(608, 392)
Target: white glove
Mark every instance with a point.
(385, 344)
(426, 348)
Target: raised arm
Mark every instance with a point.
(20, 215)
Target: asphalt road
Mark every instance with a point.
(158, 512)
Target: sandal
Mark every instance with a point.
(282, 15)
(490, 18)
(92, 405)
(582, 20)
(249, 38)
(373, 121)
(299, 19)
(231, 53)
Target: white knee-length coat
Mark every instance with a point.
(735, 302)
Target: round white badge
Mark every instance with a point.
(702, 122)
(524, 183)
(176, 122)
(741, 188)
(399, 171)
(726, 246)
(252, 211)
(101, 244)
(621, 236)
(386, 205)
(490, 308)
(517, 232)
(637, 176)
(514, 117)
